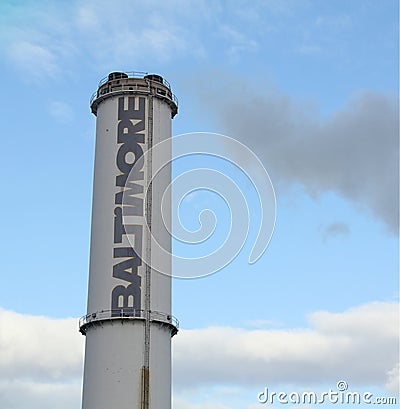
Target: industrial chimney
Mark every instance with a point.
(128, 326)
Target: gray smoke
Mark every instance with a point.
(353, 153)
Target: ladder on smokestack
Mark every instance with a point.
(146, 357)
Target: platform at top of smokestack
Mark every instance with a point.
(128, 83)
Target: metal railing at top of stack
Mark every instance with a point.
(127, 313)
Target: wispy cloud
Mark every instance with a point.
(338, 22)
(310, 49)
(34, 60)
(61, 111)
(159, 32)
(94, 31)
(334, 230)
(237, 41)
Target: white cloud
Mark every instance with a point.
(41, 358)
(393, 382)
(19, 394)
(359, 345)
(40, 362)
(39, 348)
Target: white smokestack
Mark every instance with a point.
(128, 325)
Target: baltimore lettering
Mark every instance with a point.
(130, 138)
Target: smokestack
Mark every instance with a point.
(128, 326)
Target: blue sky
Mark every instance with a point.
(312, 88)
